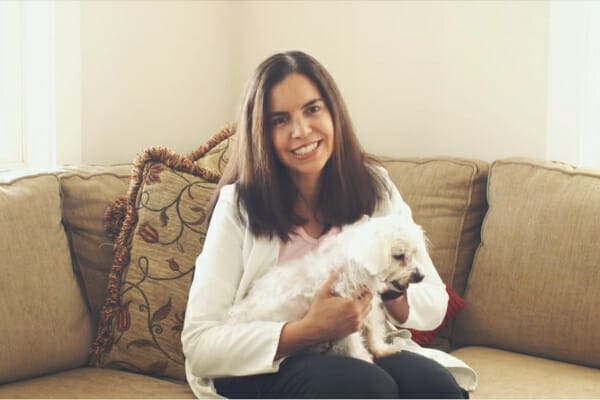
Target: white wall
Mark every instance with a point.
(154, 73)
(423, 78)
(68, 82)
(420, 78)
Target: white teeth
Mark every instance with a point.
(306, 149)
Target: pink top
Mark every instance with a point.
(301, 243)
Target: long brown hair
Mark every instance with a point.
(349, 187)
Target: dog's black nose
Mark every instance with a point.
(416, 276)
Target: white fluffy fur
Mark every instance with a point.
(373, 252)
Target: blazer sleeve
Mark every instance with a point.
(213, 347)
(428, 299)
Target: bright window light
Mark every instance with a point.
(27, 93)
(11, 84)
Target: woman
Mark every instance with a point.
(298, 174)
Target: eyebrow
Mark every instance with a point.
(307, 104)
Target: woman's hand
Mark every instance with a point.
(397, 307)
(333, 317)
(330, 317)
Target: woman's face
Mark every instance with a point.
(301, 127)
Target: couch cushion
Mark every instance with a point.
(447, 197)
(506, 375)
(534, 283)
(45, 321)
(87, 191)
(96, 383)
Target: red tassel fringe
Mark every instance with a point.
(455, 304)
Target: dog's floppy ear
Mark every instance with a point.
(363, 250)
(362, 259)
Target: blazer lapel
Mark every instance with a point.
(262, 256)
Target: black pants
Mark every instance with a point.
(402, 375)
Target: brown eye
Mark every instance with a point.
(278, 121)
(313, 109)
(399, 257)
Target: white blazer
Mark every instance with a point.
(232, 257)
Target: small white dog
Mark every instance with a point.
(378, 253)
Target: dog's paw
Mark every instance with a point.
(385, 350)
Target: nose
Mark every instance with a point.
(301, 128)
(416, 276)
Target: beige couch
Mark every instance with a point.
(531, 328)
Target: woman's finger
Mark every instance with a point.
(326, 289)
(361, 293)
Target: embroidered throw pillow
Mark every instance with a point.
(161, 227)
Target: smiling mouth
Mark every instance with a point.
(307, 149)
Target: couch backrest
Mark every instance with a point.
(447, 197)
(534, 283)
(45, 324)
(87, 192)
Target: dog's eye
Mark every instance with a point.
(399, 257)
